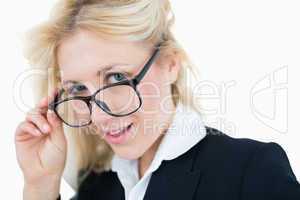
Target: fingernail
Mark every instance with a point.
(46, 128)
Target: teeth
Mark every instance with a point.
(116, 132)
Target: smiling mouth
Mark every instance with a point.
(119, 131)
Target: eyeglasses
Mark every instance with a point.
(118, 99)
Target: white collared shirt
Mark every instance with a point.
(185, 131)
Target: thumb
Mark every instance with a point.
(57, 133)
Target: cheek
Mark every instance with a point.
(151, 94)
(152, 90)
(156, 98)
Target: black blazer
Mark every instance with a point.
(217, 168)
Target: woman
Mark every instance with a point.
(119, 87)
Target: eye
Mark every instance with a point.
(78, 90)
(115, 77)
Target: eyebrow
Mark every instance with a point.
(99, 72)
(106, 68)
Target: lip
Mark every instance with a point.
(120, 136)
(116, 131)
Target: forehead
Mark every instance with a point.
(85, 53)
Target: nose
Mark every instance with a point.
(103, 120)
(100, 118)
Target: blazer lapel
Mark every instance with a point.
(182, 186)
(174, 179)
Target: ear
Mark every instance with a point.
(172, 67)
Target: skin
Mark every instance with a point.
(80, 58)
(41, 152)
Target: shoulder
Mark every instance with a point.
(258, 169)
(221, 150)
(219, 144)
(227, 144)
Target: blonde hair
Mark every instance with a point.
(133, 20)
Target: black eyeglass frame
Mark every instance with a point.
(88, 99)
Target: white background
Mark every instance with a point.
(247, 53)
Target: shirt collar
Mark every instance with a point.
(185, 131)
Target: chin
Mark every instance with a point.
(128, 153)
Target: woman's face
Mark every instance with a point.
(87, 61)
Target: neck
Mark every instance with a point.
(145, 160)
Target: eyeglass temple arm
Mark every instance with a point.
(51, 105)
(140, 76)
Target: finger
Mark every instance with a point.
(43, 103)
(57, 135)
(39, 121)
(26, 129)
(53, 120)
(46, 100)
